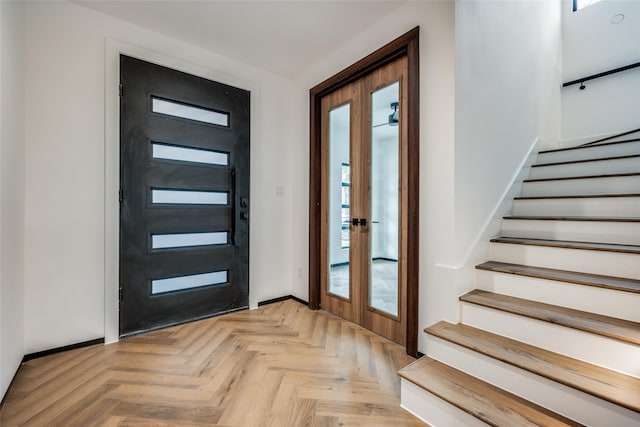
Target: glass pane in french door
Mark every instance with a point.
(339, 190)
(385, 178)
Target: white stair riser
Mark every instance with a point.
(614, 207)
(609, 353)
(615, 264)
(612, 150)
(563, 400)
(607, 302)
(620, 233)
(596, 167)
(431, 409)
(583, 186)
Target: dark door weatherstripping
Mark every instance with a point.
(404, 46)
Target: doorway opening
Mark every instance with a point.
(360, 267)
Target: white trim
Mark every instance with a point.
(113, 49)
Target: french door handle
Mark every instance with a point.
(359, 221)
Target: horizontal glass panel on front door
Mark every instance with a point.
(188, 154)
(180, 240)
(184, 111)
(182, 283)
(189, 197)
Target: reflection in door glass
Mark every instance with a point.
(346, 205)
(383, 276)
(339, 201)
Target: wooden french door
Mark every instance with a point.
(364, 201)
(184, 213)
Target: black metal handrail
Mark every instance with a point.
(595, 76)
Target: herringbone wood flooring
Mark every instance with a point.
(280, 365)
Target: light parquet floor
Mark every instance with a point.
(280, 365)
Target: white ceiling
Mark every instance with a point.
(286, 37)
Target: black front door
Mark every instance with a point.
(184, 212)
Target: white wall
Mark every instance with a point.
(12, 169)
(65, 174)
(436, 20)
(508, 62)
(592, 44)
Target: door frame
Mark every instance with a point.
(171, 58)
(405, 45)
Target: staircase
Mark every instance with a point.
(551, 335)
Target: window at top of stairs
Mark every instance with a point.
(579, 4)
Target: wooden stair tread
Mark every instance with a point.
(572, 218)
(609, 247)
(619, 329)
(565, 178)
(599, 159)
(596, 280)
(612, 386)
(484, 401)
(588, 196)
(581, 147)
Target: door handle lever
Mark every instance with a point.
(233, 207)
(359, 221)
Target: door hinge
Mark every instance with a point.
(121, 195)
(120, 89)
(120, 293)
